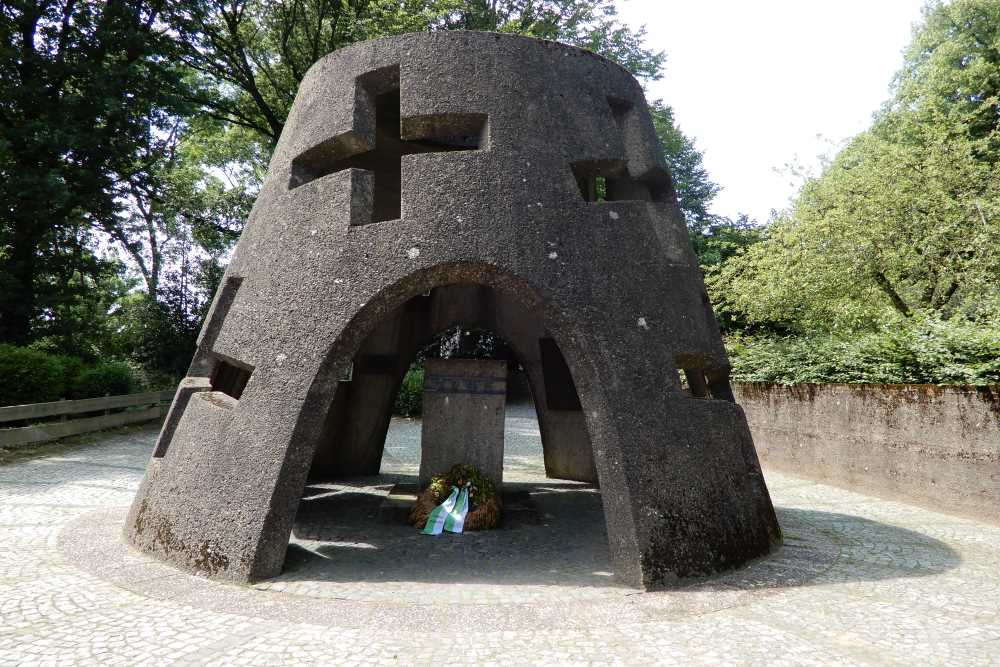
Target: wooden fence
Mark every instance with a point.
(51, 421)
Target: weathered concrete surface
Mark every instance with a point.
(936, 446)
(463, 418)
(430, 162)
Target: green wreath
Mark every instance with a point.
(485, 505)
(481, 489)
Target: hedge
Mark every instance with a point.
(30, 376)
(33, 376)
(410, 399)
(909, 352)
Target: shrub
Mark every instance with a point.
(109, 378)
(72, 368)
(29, 376)
(919, 351)
(410, 399)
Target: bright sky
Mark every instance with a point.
(760, 84)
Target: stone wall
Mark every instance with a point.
(934, 446)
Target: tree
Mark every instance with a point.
(889, 228)
(179, 196)
(695, 189)
(79, 84)
(951, 71)
(589, 24)
(247, 57)
(905, 220)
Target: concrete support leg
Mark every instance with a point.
(358, 420)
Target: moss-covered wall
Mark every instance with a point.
(934, 446)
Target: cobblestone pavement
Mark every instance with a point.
(859, 580)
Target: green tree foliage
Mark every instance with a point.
(410, 399)
(905, 220)
(951, 72)
(247, 58)
(715, 238)
(149, 124)
(80, 82)
(590, 24)
(695, 189)
(30, 376)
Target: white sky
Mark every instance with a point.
(760, 84)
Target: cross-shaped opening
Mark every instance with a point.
(434, 133)
(610, 180)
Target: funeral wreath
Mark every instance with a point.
(484, 502)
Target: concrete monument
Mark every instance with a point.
(477, 179)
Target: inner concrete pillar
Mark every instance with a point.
(565, 441)
(358, 418)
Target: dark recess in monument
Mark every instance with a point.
(459, 322)
(456, 321)
(609, 180)
(230, 379)
(560, 392)
(619, 109)
(696, 382)
(703, 383)
(376, 364)
(719, 386)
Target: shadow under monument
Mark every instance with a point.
(555, 536)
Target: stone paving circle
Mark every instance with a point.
(859, 580)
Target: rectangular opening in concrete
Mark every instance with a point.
(619, 109)
(696, 383)
(719, 387)
(701, 382)
(231, 377)
(608, 180)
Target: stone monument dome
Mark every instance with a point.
(477, 179)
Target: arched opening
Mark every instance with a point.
(462, 346)
(364, 473)
(366, 385)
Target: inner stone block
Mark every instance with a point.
(463, 420)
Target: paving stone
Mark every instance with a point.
(859, 580)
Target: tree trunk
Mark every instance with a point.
(17, 299)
